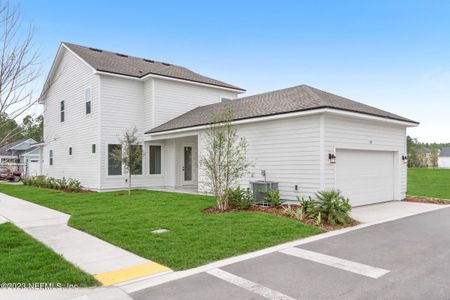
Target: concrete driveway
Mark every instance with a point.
(407, 258)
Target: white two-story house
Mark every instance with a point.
(303, 138)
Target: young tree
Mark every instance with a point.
(434, 157)
(18, 69)
(129, 155)
(33, 127)
(225, 157)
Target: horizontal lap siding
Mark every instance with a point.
(124, 106)
(175, 98)
(287, 149)
(79, 130)
(349, 133)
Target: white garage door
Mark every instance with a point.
(365, 177)
(33, 167)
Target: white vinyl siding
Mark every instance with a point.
(71, 78)
(359, 134)
(287, 149)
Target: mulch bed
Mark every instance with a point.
(278, 211)
(427, 200)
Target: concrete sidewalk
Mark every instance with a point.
(109, 264)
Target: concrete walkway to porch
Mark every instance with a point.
(108, 263)
(389, 210)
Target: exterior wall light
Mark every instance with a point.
(405, 159)
(332, 158)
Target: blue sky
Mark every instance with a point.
(394, 55)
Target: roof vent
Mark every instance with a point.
(148, 60)
(121, 55)
(96, 50)
(166, 64)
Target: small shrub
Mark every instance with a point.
(329, 206)
(240, 198)
(70, 184)
(273, 197)
(289, 211)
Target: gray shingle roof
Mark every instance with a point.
(122, 64)
(294, 99)
(4, 151)
(445, 152)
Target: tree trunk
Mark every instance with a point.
(129, 184)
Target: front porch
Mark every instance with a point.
(175, 159)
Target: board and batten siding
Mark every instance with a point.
(359, 134)
(79, 130)
(287, 149)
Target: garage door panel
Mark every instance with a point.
(365, 176)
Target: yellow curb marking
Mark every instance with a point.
(147, 269)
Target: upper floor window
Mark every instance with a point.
(61, 109)
(88, 100)
(93, 148)
(50, 156)
(70, 150)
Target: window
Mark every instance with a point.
(93, 148)
(114, 162)
(87, 99)
(70, 150)
(50, 156)
(155, 159)
(138, 169)
(225, 99)
(62, 111)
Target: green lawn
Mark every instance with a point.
(24, 260)
(434, 183)
(195, 238)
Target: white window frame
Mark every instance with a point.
(122, 173)
(86, 101)
(162, 159)
(62, 111)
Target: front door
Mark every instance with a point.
(187, 165)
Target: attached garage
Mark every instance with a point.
(366, 177)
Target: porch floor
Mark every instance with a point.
(189, 189)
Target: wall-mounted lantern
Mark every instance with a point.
(332, 158)
(405, 159)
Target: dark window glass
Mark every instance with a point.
(155, 159)
(88, 107)
(70, 150)
(93, 148)
(114, 163)
(50, 155)
(62, 111)
(137, 150)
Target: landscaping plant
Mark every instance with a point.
(69, 184)
(240, 198)
(329, 206)
(130, 155)
(273, 197)
(225, 157)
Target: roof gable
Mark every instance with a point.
(294, 99)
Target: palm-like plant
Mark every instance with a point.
(333, 207)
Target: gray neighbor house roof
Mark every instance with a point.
(294, 99)
(5, 150)
(445, 152)
(122, 64)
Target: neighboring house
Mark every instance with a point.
(444, 158)
(93, 96)
(24, 152)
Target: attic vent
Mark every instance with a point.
(96, 50)
(166, 64)
(149, 60)
(121, 55)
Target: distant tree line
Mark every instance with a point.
(423, 155)
(31, 127)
